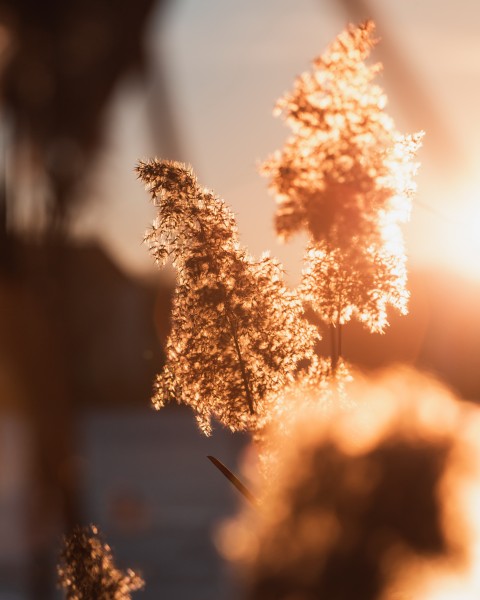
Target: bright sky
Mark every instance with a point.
(227, 63)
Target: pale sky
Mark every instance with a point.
(227, 63)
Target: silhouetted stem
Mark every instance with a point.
(333, 347)
(336, 344)
(233, 480)
(339, 341)
(241, 364)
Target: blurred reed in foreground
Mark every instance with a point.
(379, 501)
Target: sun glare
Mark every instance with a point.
(452, 216)
(466, 250)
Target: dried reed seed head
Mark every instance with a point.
(237, 333)
(361, 281)
(170, 176)
(345, 176)
(87, 570)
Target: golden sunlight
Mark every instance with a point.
(465, 252)
(450, 235)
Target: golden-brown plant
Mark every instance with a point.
(238, 335)
(87, 571)
(345, 177)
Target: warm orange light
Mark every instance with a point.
(465, 223)
(445, 230)
(397, 475)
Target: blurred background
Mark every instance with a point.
(88, 88)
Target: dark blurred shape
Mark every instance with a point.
(74, 330)
(371, 507)
(373, 501)
(108, 350)
(60, 69)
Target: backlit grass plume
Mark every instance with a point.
(360, 280)
(87, 570)
(237, 333)
(345, 176)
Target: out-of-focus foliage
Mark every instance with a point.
(377, 501)
(87, 570)
(317, 387)
(60, 64)
(345, 176)
(238, 335)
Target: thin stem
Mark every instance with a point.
(339, 341)
(233, 480)
(241, 363)
(333, 347)
(336, 343)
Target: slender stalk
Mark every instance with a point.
(333, 347)
(233, 480)
(339, 341)
(335, 344)
(241, 364)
